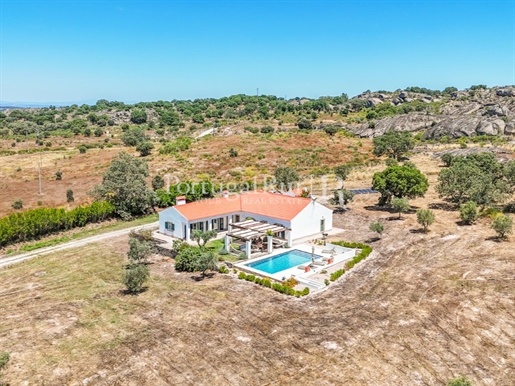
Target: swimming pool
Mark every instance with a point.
(282, 261)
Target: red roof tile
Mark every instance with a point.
(260, 203)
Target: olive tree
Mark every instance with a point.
(285, 177)
(425, 217)
(502, 225)
(377, 227)
(400, 205)
(468, 212)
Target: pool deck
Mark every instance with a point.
(304, 273)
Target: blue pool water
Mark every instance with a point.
(282, 261)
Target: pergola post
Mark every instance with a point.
(248, 246)
(269, 244)
(227, 243)
(288, 239)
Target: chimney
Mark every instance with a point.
(180, 200)
(225, 193)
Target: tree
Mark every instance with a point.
(304, 124)
(377, 227)
(187, 258)
(134, 137)
(341, 197)
(461, 381)
(393, 144)
(145, 148)
(18, 204)
(425, 217)
(5, 357)
(69, 196)
(285, 177)
(202, 237)
(139, 250)
(135, 276)
(476, 177)
(138, 116)
(399, 181)
(503, 225)
(206, 261)
(468, 212)
(400, 205)
(124, 185)
(158, 182)
(233, 153)
(447, 159)
(58, 175)
(98, 132)
(341, 172)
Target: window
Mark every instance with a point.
(322, 225)
(169, 226)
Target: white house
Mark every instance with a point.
(293, 217)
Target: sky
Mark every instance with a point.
(82, 50)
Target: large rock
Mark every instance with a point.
(509, 129)
(372, 102)
(405, 122)
(500, 111)
(486, 128)
(506, 92)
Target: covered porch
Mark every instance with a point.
(258, 236)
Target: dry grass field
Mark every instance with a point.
(208, 158)
(423, 308)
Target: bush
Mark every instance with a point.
(82, 149)
(135, 276)
(326, 282)
(337, 274)
(503, 225)
(266, 282)
(223, 252)
(5, 357)
(468, 212)
(461, 381)
(18, 204)
(69, 196)
(267, 130)
(447, 159)
(377, 227)
(233, 153)
(58, 175)
(291, 282)
(223, 269)
(425, 217)
(365, 251)
(186, 259)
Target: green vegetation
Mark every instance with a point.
(461, 381)
(341, 197)
(202, 237)
(194, 259)
(377, 227)
(479, 178)
(124, 186)
(281, 288)
(502, 225)
(399, 181)
(285, 177)
(400, 205)
(134, 277)
(425, 217)
(5, 357)
(39, 222)
(365, 251)
(18, 204)
(393, 144)
(341, 172)
(335, 275)
(468, 212)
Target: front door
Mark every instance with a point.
(322, 225)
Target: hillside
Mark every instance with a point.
(422, 309)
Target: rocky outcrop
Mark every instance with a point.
(462, 113)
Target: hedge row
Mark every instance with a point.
(337, 274)
(275, 286)
(365, 251)
(35, 223)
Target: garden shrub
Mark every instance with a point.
(337, 274)
(223, 269)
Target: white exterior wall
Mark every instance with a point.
(172, 215)
(307, 222)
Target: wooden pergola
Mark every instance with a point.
(250, 230)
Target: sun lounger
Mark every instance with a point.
(303, 267)
(319, 262)
(328, 250)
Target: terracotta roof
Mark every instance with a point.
(260, 203)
